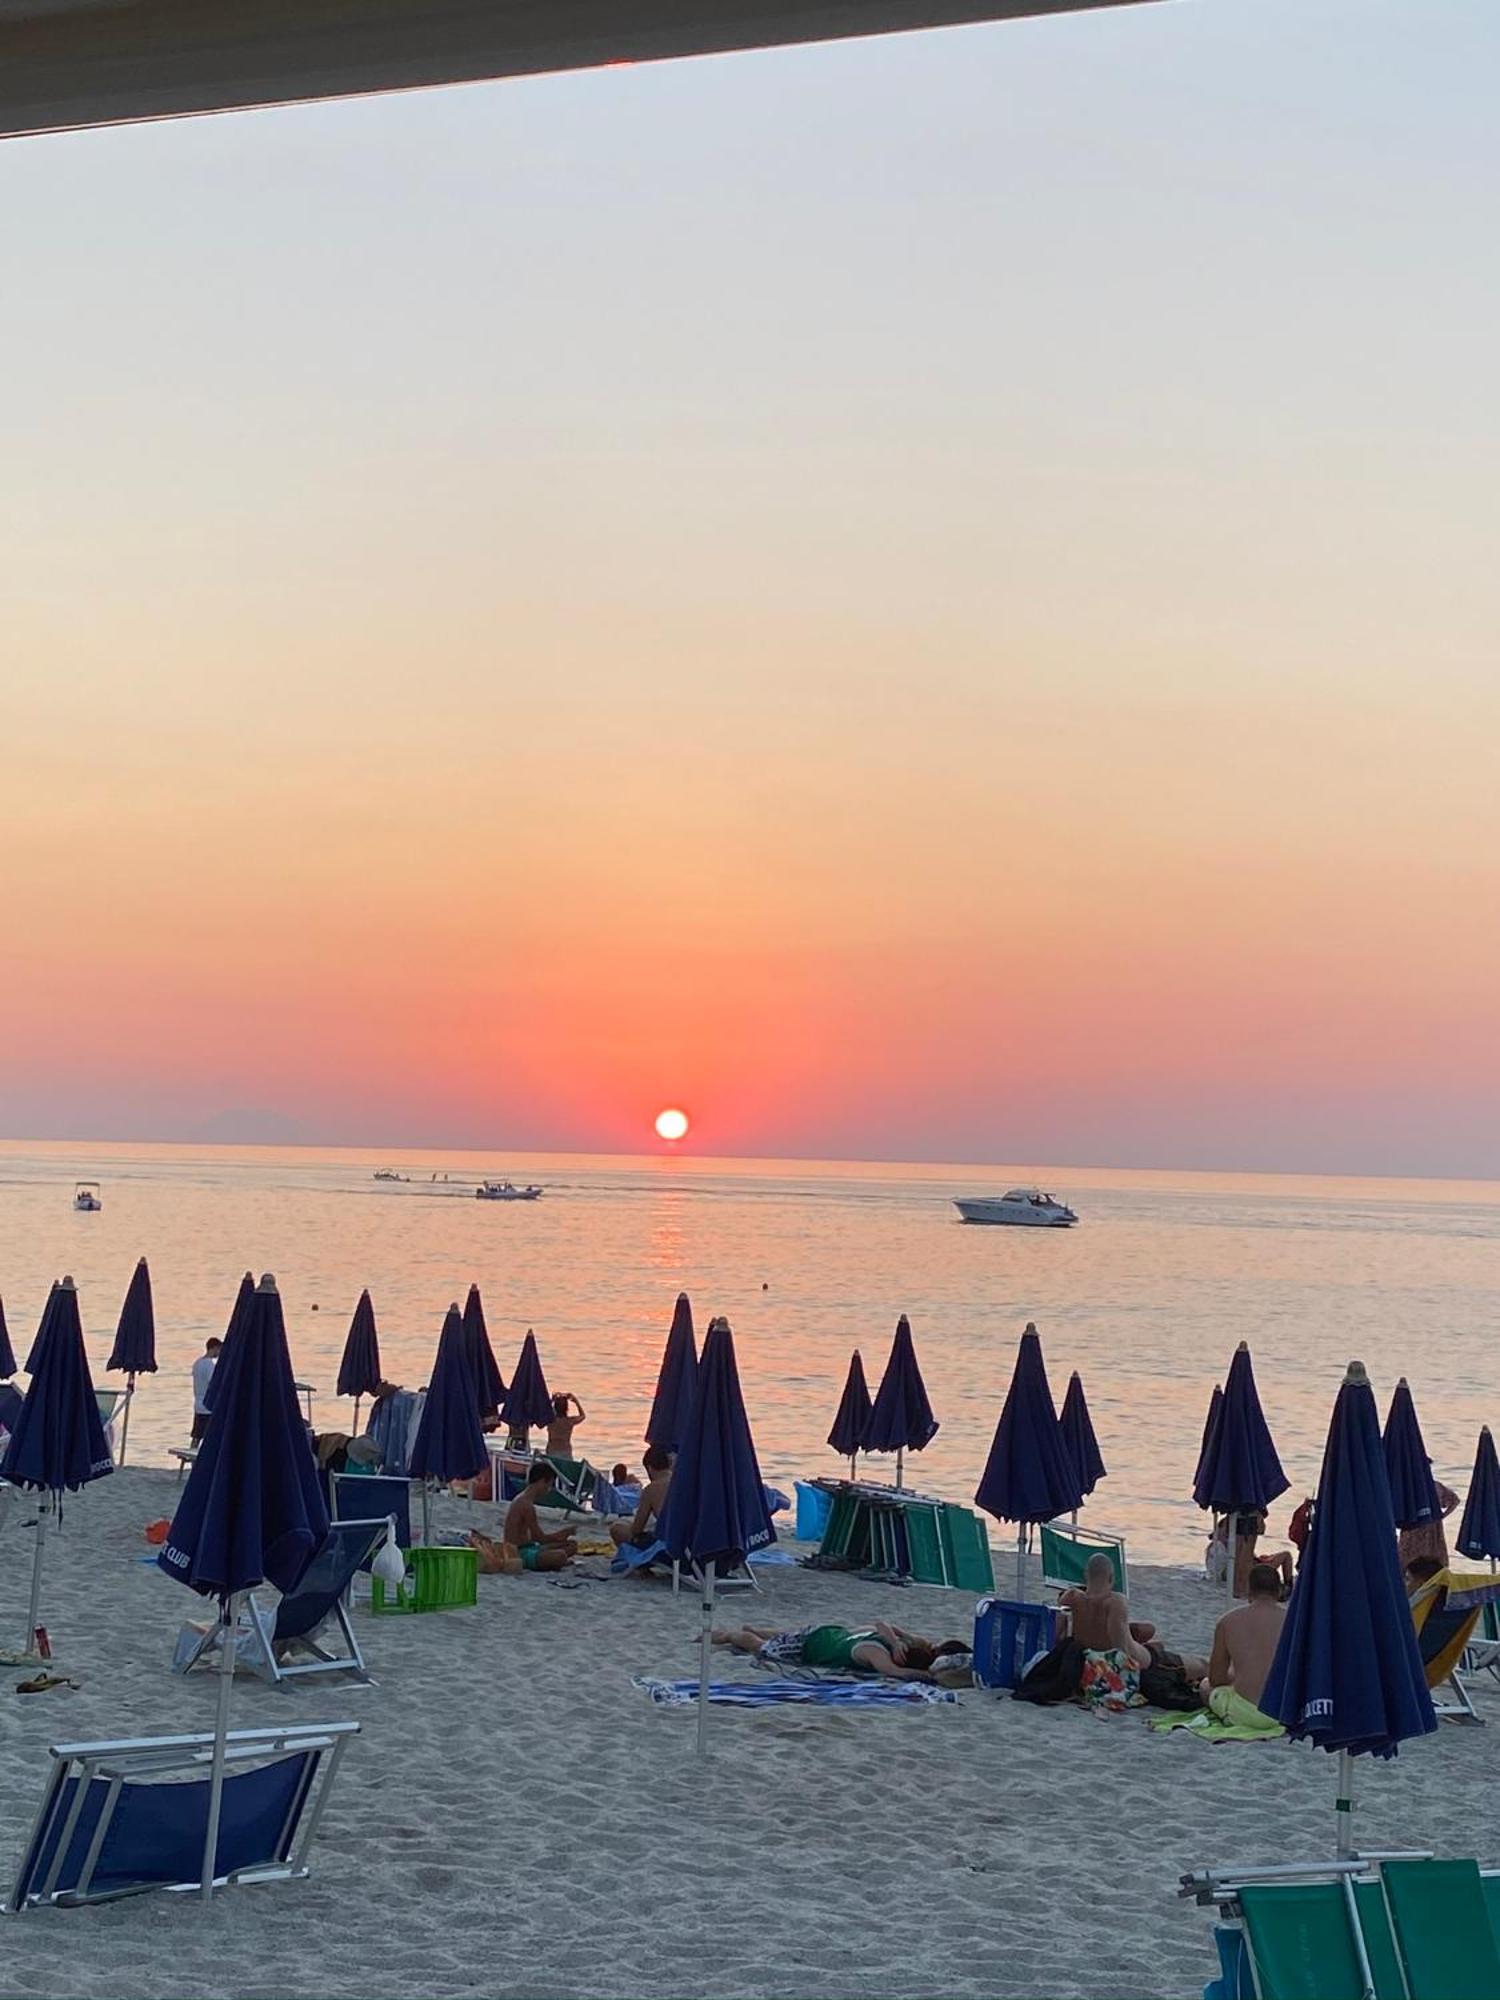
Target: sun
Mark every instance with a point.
(671, 1125)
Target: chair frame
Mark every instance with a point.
(148, 1756)
(261, 1625)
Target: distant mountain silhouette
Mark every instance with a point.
(249, 1126)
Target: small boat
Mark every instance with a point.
(390, 1174)
(506, 1191)
(1027, 1208)
(86, 1197)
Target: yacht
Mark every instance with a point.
(506, 1191)
(86, 1197)
(1027, 1207)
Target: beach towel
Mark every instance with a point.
(1229, 1718)
(804, 1693)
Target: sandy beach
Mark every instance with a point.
(517, 1818)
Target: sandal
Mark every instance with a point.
(40, 1683)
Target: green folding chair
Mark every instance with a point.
(1442, 1923)
(1066, 1552)
(1320, 1941)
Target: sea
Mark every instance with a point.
(1147, 1297)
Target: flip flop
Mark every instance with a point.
(40, 1683)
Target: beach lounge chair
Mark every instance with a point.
(1066, 1551)
(304, 1611)
(122, 1818)
(112, 1404)
(356, 1496)
(1393, 1927)
(1445, 1626)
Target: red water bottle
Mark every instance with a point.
(43, 1643)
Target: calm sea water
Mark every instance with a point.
(1147, 1297)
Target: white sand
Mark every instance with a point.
(516, 1818)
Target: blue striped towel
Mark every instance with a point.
(777, 1694)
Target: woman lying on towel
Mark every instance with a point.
(872, 1649)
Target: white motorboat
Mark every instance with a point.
(86, 1197)
(506, 1191)
(1027, 1208)
(389, 1174)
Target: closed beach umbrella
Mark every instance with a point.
(359, 1366)
(237, 1314)
(1479, 1531)
(715, 1512)
(675, 1381)
(1030, 1475)
(1414, 1499)
(853, 1418)
(58, 1442)
(134, 1351)
(252, 1510)
(489, 1383)
(7, 1352)
(1078, 1435)
(1241, 1471)
(901, 1418)
(528, 1402)
(1206, 1447)
(1348, 1674)
(450, 1438)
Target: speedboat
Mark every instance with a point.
(390, 1174)
(1027, 1207)
(86, 1197)
(506, 1191)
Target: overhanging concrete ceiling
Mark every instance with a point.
(71, 63)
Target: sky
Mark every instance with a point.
(928, 598)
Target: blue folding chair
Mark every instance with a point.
(360, 1496)
(316, 1599)
(122, 1818)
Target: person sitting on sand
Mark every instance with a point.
(1098, 1617)
(872, 1649)
(564, 1422)
(640, 1530)
(1245, 1642)
(538, 1548)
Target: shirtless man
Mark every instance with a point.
(567, 1414)
(640, 1529)
(539, 1549)
(1245, 1639)
(1099, 1617)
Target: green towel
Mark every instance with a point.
(1229, 1718)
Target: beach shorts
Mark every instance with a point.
(1110, 1682)
(785, 1646)
(530, 1554)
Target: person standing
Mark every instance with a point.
(203, 1369)
(1428, 1538)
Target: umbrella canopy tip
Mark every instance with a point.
(267, 1282)
(67, 1284)
(1355, 1373)
(1243, 1348)
(1030, 1327)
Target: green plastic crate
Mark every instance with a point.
(436, 1580)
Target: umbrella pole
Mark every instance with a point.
(1229, 1569)
(125, 1415)
(228, 1637)
(1344, 1806)
(706, 1615)
(34, 1610)
(900, 1457)
(853, 1475)
(426, 1515)
(357, 1401)
(1021, 1562)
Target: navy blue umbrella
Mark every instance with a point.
(1206, 1446)
(1030, 1475)
(1078, 1434)
(237, 1314)
(134, 1350)
(1414, 1498)
(489, 1383)
(715, 1511)
(1348, 1674)
(852, 1420)
(450, 1438)
(252, 1510)
(7, 1352)
(528, 1402)
(675, 1381)
(901, 1418)
(1241, 1472)
(1479, 1531)
(58, 1440)
(359, 1365)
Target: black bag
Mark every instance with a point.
(1168, 1687)
(1056, 1676)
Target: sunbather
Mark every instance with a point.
(539, 1549)
(640, 1530)
(873, 1649)
(1245, 1642)
(1098, 1616)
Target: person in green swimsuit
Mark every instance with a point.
(871, 1649)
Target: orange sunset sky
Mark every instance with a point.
(922, 599)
